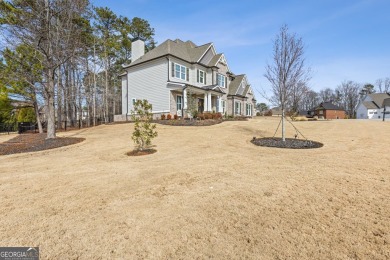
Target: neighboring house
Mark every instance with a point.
(276, 111)
(167, 73)
(328, 110)
(371, 106)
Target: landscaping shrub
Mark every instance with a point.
(175, 117)
(208, 116)
(169, 117)
(162, 117)
(218, 115)
(258, 114)
(144, 131)
(200, 116)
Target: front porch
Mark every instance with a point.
(186, 99)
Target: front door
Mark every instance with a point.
(200, 105)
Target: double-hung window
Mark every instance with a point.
(179, 102)
(180, 71)
(221, 80)
(237, 106)
(249, 109)
(223, 103)
(201, 76)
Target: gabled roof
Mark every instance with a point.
(187, 51)
(213, 87)
(370, 105)
(328, 106)
(215, 60)
(235, 84)
(378, 98)
(239, 86)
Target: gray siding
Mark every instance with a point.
(193, 73)
(207, 57)
(149, 81)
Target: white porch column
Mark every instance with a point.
(209, 102)
(185, 99)
(206, 103)
(219, 104)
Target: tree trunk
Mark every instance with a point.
(94, 84)
(106, 83)
(59, 100)
(283, 130)
(50, 112)
(36, 109)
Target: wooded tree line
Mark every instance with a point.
(63, 58)
(346, 95)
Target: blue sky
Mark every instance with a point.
(345, 40)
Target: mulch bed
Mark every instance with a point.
(290, 143)
(194, 122)
(141, 152)
(237, 118)
(25, 143)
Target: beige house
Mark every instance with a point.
(165, 75)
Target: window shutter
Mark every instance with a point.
(205, 76)
(225, 81)
(188, 73)
(173, 69)
(197, 76)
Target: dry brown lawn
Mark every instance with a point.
(207, 193)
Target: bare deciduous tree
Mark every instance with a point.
(349, 91)
(287, 69)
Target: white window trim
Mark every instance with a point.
(239, 108)
(202, 80)
(249, 109)
(218, 81)
(180, 71)
(181, 103)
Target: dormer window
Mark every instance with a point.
(221, 80)
(201, 76)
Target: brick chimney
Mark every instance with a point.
(137, 49)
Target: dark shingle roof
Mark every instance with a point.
(187, 51)
(329, 106)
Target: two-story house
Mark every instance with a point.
(165, 75)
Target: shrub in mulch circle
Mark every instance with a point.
(141, 152)
(290, 143)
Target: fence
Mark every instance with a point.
(23, 127)
(8, 128)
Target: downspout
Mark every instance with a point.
(169, 62)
